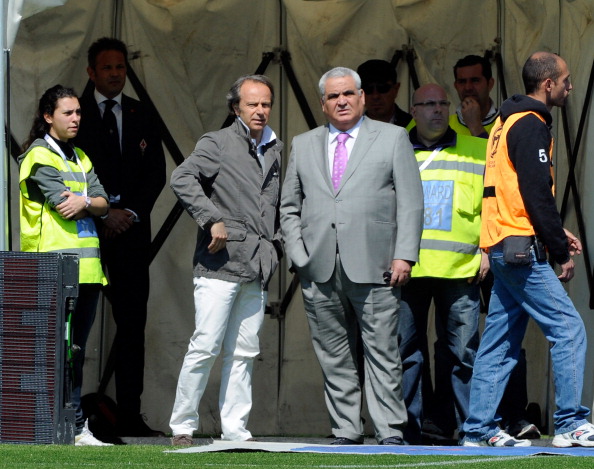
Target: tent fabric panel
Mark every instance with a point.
(187, 53)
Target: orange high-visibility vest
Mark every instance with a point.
(504, 213)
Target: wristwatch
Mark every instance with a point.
(87, 201)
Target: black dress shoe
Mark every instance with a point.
(345, 441)
(392, 440)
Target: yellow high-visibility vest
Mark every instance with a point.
(44, 230)
(453, 191)
(461, 129)
(455, 124)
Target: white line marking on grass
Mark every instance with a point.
(374, 466)
(436, 463)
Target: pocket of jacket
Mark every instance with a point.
(464, 195)
(236, 229)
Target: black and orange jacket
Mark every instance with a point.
(519, 188)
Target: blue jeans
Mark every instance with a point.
(457, 307)
(521, 292)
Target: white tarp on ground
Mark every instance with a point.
(219, 446)
(188, 52)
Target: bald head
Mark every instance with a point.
(546, 78)
(539, 67)
(421, 93)
(430, 110)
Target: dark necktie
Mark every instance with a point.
(113, 161)
(111, 126)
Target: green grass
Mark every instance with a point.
(154, 457)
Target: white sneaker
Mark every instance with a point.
(502, 439)
(86, 438)
(581, 436)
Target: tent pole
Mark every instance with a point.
(297, 90)
(8, 145)
(117, 19)
(275, 306)
(410, 55)
(571, 184)
(495, 54)
(5, 161)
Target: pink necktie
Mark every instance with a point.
(340, 160)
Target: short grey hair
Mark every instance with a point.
(233, 96)
(338, 72)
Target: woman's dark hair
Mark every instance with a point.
(47, 105)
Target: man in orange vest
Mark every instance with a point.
(521, 225)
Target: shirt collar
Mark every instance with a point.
(447, 140)
(100, 98)
(489, 118)
(268, 134)
(353, 131)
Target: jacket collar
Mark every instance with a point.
(447, 140)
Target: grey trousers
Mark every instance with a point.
(334, 309)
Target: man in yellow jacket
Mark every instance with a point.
(450, 263)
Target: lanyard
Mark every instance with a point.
(58, 150)
(428, 161)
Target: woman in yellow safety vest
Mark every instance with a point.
(60, 195)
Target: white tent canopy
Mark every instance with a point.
(186, 54)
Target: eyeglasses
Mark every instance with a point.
(433, 104)
(381, 88)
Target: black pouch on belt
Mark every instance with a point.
(539, 250)
(516, 250)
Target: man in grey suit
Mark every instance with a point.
(345, 224)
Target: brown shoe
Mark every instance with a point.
(182, 440)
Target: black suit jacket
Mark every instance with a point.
(140, 172)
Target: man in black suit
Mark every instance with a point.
(124, 145)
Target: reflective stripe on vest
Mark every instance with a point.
(466, 167)
(81, 252)
(452, 246)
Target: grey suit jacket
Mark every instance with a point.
(376, 215)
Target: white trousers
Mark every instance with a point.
(228, 318)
